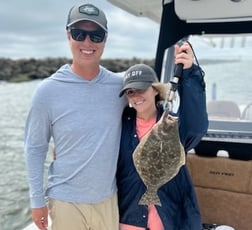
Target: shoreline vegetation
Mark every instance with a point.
(20, 70)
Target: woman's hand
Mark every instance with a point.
(184, 55)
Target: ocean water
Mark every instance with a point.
(14, 203)
(233, 80)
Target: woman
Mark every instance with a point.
(179, 209)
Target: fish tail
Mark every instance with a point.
(149, 198)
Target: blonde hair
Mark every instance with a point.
(163, 89)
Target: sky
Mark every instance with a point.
(36, 29)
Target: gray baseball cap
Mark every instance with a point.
(139, 76)
(87, 12)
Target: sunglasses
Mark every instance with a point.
(133, 92)
(95, 36)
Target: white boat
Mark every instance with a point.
(221, 164)
(221, 167)
(220, 32)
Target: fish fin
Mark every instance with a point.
(149, 198)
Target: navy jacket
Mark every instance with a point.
(179, 210)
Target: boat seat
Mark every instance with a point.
(247, 112)
(224, 190)
(222, 109)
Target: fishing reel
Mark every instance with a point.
(216, 227)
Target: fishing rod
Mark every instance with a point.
(178, 70)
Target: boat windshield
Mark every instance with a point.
(226, 61)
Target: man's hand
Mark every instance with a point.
(40, 217)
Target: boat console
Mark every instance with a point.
(233, 136)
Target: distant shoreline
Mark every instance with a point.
(21, 70)
(30, 69)
(205, 61)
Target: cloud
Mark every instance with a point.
(37, 29)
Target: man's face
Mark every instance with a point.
(86, 43)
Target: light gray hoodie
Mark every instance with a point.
(84, 119)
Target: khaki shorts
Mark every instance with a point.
(100, 216)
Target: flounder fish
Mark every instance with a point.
(158, 157)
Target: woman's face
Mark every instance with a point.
(143, 101)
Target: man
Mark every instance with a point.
(79, 108)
